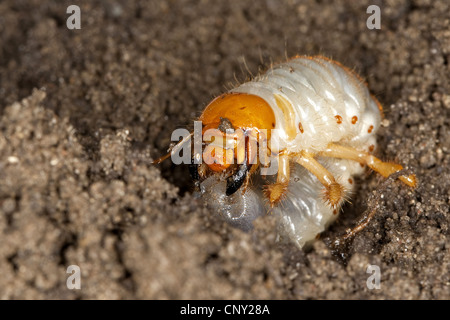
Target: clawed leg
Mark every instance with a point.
(383, 168)
(334, 192)
(276, 191)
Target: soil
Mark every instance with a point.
(84, 112)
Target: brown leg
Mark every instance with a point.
(334, 192)
(276, 191)
(383, 168)
(373, 204)
(352, 232)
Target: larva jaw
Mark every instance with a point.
(226, 144)
(235, 181)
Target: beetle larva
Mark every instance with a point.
(312, 117)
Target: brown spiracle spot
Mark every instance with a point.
(338, 119)
(354, 119)
(300, 127)
(371, 148)
(370, 129)
(350, 181)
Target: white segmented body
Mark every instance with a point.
(303, 215)
(316, 102)
(318, 90)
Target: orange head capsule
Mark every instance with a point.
(232, 124)
(242, 110)
(235, 116)
(239, 112)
